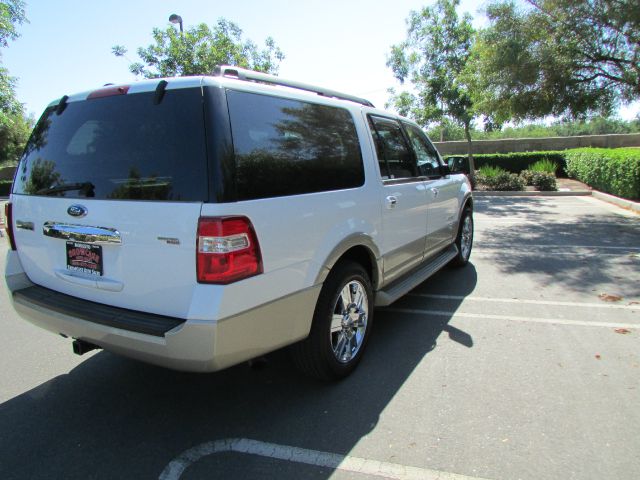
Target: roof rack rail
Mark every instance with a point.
(250, 75)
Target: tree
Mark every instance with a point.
(200, 49)
(11, 15)
(433, 60)
(14, 125)
(557, 57)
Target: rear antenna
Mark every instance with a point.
(62, 105)
(160, 91)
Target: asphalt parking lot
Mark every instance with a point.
(523, 365)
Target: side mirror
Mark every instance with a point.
(445, 170)
(458, 164)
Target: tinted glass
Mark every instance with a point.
(286, 147)
(119, 147)
(394, 155)
(428, 163)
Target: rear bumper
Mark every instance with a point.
(191, 345)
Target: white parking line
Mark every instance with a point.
(555, 321)
(522, 221)
(491, 252)
(364, 466)
(524, 301)
(564, 247)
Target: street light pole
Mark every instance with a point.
(176, 19)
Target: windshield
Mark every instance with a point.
(121, 147)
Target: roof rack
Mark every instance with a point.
(250, 75)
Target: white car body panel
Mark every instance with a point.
(155, 276)
(301, 237)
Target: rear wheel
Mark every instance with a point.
(464, 240)
(341, 324)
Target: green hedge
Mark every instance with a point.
(511, 162)
(5, 188)
(615, 171)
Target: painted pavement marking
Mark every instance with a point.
(553, 321)
(525, 302)
(364, 466)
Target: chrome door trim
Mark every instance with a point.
(82, 233)
(25, 225)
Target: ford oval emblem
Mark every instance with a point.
(77, 211)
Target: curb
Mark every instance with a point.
(620, 202)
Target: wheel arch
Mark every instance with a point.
(358, 248)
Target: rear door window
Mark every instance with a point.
(289, 147)
(395, 158)
(122, 147)
(428, 162)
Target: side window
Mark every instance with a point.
(394, 155)
(428, 164)
(288, 147)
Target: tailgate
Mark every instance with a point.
(132, 255)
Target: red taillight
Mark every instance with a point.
(8, 217)
(227, 250)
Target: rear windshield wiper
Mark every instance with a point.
(85, 187)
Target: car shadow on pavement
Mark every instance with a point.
(111, 417)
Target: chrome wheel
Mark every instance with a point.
(466, 237)
(349, 321)
(341, 324)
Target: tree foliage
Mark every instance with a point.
(565, 128)
(200, 49)
(11, 14)
(14, 125)
(433, 58)
(556, 57)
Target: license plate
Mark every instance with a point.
(84, 258)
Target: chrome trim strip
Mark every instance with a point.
(82, 233)
(25, 225)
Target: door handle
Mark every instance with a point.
(391, 201)
(435, 192)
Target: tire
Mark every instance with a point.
(464, 240)
(341, 325)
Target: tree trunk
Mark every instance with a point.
(472, 166)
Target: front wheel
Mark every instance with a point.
(341, 324)
(464, 240)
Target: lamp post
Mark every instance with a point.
(176, 19)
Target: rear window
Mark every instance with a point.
(287, 147)
(122, 147)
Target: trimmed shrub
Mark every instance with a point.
(615, 171)
(497, 179)
(543, 181)
(5, 188)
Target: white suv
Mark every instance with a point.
(199, 222)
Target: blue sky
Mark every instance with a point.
(339, 44)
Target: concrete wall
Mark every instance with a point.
(539, 144)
